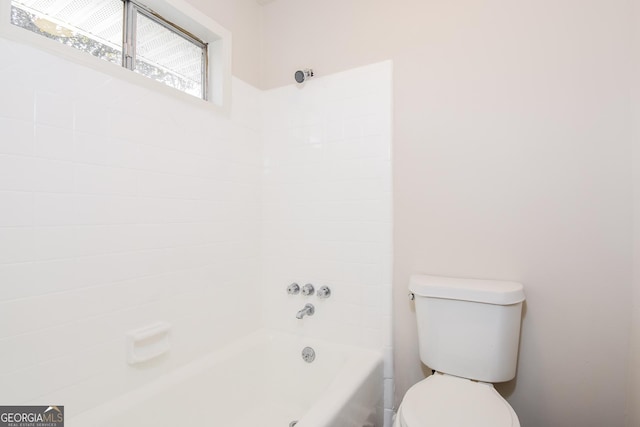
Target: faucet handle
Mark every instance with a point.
(293, 289)
(324, 292)
(308, 289)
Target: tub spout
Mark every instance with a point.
(308, 310)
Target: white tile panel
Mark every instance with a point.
(90, 179)
(327, 207)
(17, 136)
(120, 209)
(17, 209)
(32, 279)
(17, 245)
(112, 204)
(54, 243)
(54, 142)
(21, 173)
(326, 211)
(17, 102)
(54, 110)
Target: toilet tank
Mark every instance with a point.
(467, 327)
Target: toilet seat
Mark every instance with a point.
(446, 401)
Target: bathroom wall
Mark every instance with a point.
(120, 207)
(633, 402)
(327, 208)
(243, 19)
(511, 160)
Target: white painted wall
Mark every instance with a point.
(120, 207)
(633, 401)
(243, 18)
(512, 160)
(327, 208)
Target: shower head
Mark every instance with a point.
(302, 75)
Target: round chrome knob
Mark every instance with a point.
(293, 289)
(324, 292)
(308, 289)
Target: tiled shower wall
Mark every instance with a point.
(327, 208)
(120, 207)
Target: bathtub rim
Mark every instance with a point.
(363, 361)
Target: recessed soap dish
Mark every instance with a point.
(147, 343)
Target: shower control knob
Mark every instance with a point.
(293, 289)
(308, 289)
(324, 292)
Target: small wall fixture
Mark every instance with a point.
(302, 75)
(324, 292)
(293, 289)
(148, 343)
(308, 289)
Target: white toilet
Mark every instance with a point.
(468, 332)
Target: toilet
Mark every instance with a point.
(468, 333)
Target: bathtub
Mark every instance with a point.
(260, 380)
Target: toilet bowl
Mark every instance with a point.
(468, 332)
(447, 401)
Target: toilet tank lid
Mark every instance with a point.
(497, 292)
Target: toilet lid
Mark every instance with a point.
(444, 400)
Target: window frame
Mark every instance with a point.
(178, 12)
(129, 38)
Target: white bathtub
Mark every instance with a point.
(260, 380)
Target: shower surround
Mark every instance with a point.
(327, 208)
(121, 207)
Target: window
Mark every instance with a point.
(122, 32)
